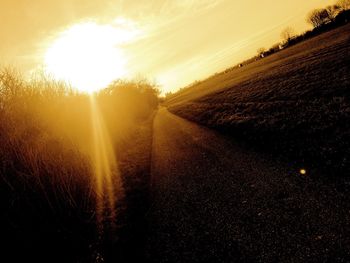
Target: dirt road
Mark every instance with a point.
(214, 200)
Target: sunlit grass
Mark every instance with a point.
(58, 156)
(107, 175)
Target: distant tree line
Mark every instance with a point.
(321, 19)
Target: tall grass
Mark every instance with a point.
(48, 198)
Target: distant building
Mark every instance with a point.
(287, 43)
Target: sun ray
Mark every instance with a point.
(108, 185)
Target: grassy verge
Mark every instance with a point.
(48, 193)
(295, 103)
(134, 159)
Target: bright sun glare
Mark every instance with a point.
(89, 55)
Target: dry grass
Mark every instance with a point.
(48, 199)
(295, 102)
(45, 177)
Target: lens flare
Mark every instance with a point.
(108, 183)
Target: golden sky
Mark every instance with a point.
(174, 42)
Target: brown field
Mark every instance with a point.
(295, 103)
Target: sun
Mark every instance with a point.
(88, 56)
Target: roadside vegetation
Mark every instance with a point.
(47, 181)
(295, 103)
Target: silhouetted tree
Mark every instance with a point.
(332, 12)
(343, 17)
(343, 4)
(318, 17)
(287, 34)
